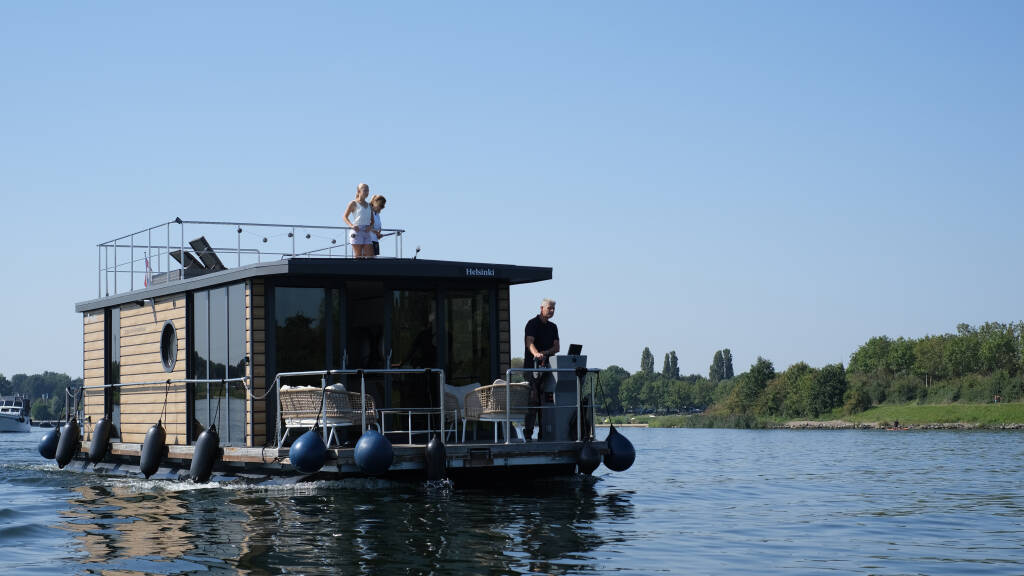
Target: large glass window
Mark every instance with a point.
(219, 352)
(414, 345)
(300, 332)
(468, 324)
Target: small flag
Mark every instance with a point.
(149, 272)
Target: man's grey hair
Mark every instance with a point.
(547, 302)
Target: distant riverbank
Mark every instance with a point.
(1002, 416)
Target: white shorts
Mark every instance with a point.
(361, 236)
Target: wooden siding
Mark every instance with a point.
(504, 334)
(142, 406)
(255, 334)
(92, 366)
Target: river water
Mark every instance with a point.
(695, 502)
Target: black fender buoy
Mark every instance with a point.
(205, 453)
(621, 453)
(152, 449)
(373, 453)
(435, 454)
(587, 460)
(69, 443)
(308, 453)
(100, 439)
(48, 443)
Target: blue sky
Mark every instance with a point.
(783, 179)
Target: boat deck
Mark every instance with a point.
(258, 465)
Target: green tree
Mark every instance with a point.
(929, 358)
(647, 362)
(727, 372)
(750, 386)
(611, 379)
(900, 359)
(630, 392)
(5, 385)
(998, 348)
(717, 370)
(670, 369)
(828, 390)
(872, 357)
(963, 354)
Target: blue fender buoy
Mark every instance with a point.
(152, 449)
(308, 453)
(373, 453)
(435, 454)
(204, 454)
(587, 460)
(100, 439)
(621, 453)
(48, 443)
(68, 444)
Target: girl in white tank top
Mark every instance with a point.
(359, 218)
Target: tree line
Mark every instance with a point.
(45, 391)
(974, 364)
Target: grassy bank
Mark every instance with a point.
(986, 415)
(1009, 414)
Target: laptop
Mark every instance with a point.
(575, 349)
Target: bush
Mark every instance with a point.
(857, 400)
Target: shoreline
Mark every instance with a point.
(845, 425)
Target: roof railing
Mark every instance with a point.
(180, 249)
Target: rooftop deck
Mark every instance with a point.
(180, 249)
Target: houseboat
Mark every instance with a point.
(267, 353)
(14, 414)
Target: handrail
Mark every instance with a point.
(579, 370)
(225, 238)
(168, 381)
(361, 372)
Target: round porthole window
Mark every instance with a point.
(168, 346)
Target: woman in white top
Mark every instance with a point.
(376, 205)
(359, 217)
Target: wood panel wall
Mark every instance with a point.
(255, 330)
(92, 366)
(142, 406)
(504, 331)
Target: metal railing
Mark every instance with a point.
(325, 374)
(580, 374)
(132, 260)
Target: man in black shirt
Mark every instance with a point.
(541, 342)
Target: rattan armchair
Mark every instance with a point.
(495, 402)
(301, 407)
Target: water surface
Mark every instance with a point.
(695, 502)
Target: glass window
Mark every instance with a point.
(201, 360)
(300, 336)
(414, 345)
(113, 395)
(219, 351)
(237, 360)
(469, 337)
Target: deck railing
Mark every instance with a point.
(580, 372)
(325, 374)
(134, 260)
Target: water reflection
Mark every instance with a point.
(351, 527)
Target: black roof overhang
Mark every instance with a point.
(382, 268)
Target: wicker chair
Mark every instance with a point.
(300, 408)
(488, 404)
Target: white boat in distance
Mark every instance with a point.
(14, 414)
